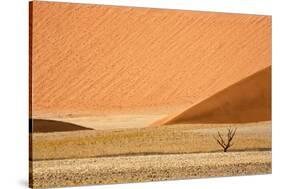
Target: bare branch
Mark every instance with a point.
(230, 135)
(219, 142)
(222, 141)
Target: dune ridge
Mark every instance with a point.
(248, 100)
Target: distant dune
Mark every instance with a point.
(248, 100)
(40, 125)
(108, 58)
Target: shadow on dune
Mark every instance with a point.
(248, 100)
(43, 126)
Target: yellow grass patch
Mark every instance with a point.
(153, 140)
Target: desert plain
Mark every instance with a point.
(121, 94)
(144, 154)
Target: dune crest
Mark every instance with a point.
(248, 100)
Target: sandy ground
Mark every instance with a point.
(145, 154)
(112, 121)
(54, 173)
(180, 138)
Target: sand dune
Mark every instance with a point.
(248, 100)
(107, 58)
(108, 72)
(40, 126)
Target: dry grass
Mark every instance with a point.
(147, 154)
(55, 173)
(154, 140)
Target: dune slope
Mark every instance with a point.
(102, 58)
(248, 100)
(40, 126)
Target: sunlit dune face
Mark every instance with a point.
(104, 58)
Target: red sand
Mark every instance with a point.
(249, 100)
(88, 58)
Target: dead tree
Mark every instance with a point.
(221, 141)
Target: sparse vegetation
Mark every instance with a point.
(162, 140)
(146, 154)
(71, 172)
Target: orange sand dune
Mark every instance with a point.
(248, 100)
(87, 58)
(41, 125)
